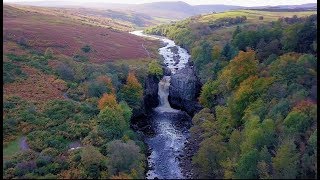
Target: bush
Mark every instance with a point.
(96, 89)
(80, 58)
(12, 72)
(155, 69)
(23, 42)
(48, 53)
(86, 48)
(65, 72)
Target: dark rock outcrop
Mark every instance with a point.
(166, 71)
(184, 90)
(150, 95)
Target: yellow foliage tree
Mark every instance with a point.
(239, 69)
(107, 100)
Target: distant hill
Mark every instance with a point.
(302, 7)
(308, 5)
(164, 11)
(176, 10)
(216, 8)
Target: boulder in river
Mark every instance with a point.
(184, 90)
(166, 71)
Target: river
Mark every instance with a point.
(170, 125)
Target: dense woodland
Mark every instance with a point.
(259, 95)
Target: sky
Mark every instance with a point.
(197, 2)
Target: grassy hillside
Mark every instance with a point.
(253, 16)
(218, 27)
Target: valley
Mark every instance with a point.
(160, 90)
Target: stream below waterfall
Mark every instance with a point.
(170, 126)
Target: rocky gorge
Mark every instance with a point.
(170, 104)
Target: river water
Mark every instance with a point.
(170, 125)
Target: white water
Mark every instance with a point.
(169, 141)
(166, 52)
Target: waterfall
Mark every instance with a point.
(168, 143)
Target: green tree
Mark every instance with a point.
(264, 165)
(309, 159)
(228, 52)
(247, 165)
(201, 54)
(154, 68)
(209, 92)
(93, 161)
(225, 122)
(216, 51)
(207, 159)
(125, 157)
(285, 163)
(237, 31)
(112, 123)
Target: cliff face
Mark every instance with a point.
(184, 90)
(150, 96)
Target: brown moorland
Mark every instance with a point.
(37, 88)
(67, 36)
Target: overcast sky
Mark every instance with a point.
(196, 2)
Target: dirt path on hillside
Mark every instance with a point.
(23, 144)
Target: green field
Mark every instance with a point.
(253, 15)
(11, 149)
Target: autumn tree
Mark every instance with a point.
(248, 91)
(132, 92)
(107, 100)
(240, 68)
